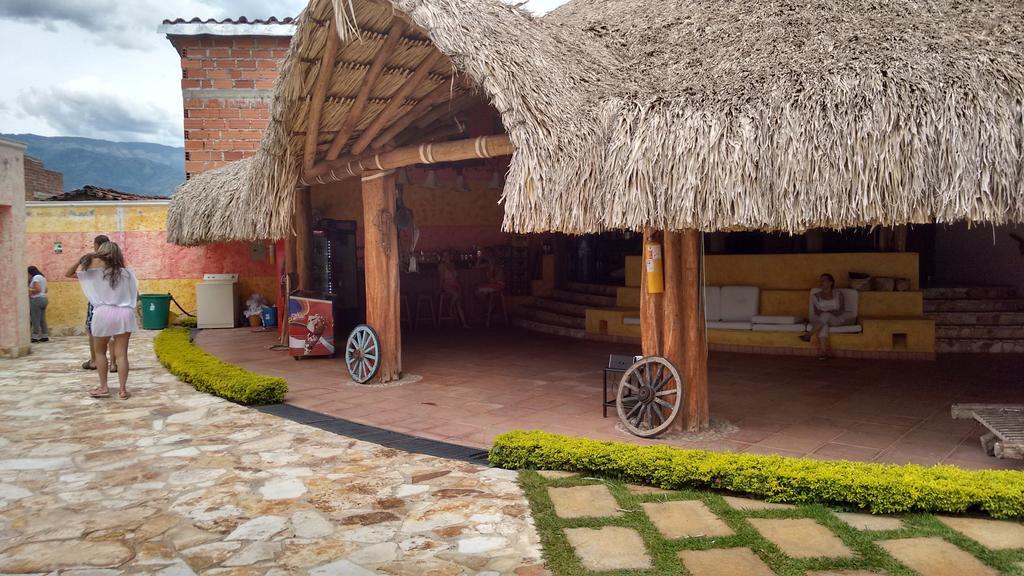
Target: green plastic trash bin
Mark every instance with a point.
(155, 309)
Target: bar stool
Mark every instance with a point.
(425, 303)
(444, 310)
(500, 295)
(403, 312)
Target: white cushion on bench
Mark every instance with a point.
(720, 325)
(759, 319)
(795, 327)
(740, 303)
(712, 303)
(631, 321)
(852, 329)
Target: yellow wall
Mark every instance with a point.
(795, 271)
(140, 229)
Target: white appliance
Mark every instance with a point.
(217, 302)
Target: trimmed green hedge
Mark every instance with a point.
(880, 488)
(208, 374)
(186, 321)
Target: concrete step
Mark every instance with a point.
(560, 307)
(970, 292)
(978, 346)
(599, 289)
(590, 300)
(549, 329)
(974, 305)
(548, 317)
(976, 318)
(1012, 332)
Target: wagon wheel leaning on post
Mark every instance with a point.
(649, 396)
(362, 354)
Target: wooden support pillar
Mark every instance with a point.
(674, 347)
(380, 248)
(694, 365)
(650, 305)
(303, 238)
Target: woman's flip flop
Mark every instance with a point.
(98, 394)
(124, 395)
(87, 365)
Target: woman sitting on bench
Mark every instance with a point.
(828, 310)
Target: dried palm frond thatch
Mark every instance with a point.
(704, 114)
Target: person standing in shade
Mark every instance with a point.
(37, 305)
(113, 291)
(90, 364)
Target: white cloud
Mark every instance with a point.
(65, 58)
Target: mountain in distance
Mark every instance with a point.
(133, 167)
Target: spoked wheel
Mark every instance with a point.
(362, 354)
(650, 394)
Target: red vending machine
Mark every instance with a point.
(310, 325)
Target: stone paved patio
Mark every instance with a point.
(174, 482)
(714, 536)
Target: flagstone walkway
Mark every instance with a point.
(174, 482)
(609, 526)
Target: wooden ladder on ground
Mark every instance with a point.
(1005, 422)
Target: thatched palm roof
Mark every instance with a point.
(704, 114)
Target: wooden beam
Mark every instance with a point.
(395, 103)
(650, 304)
(695, 363)
(433, 133)
(457, 105)
(381, 267)
(369, 80)
(672, 322)
(323, 80)
(439, 94)
(303, 239)
(342, 168)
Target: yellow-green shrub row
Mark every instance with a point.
(880, 488)
(208, 374)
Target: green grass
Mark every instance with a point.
(562, 560)
(880, 488)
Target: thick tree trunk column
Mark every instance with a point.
(381, 267)
(674, 344)
(303, 239)
(694, 368)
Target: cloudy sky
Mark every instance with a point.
(99, 69)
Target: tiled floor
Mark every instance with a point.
(477, 383)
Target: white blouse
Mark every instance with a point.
(99, 292)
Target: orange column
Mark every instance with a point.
(381, 266)
(694, 367)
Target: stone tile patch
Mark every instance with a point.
(802, 538)
(870, 521)
(685, 519)
(555, 474)
(645, 490)
(935, 557)
(609, 548)
(749, 504)
(992, 534)
(724, 562)
(174, 482)
(584, 502)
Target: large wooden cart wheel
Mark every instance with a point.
(362, 354)
(650, 394)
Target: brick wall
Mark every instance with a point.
(41, 183)
(226, 87)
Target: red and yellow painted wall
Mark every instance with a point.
(58, 233)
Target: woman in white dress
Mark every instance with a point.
(113, 292)
(829, 310)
